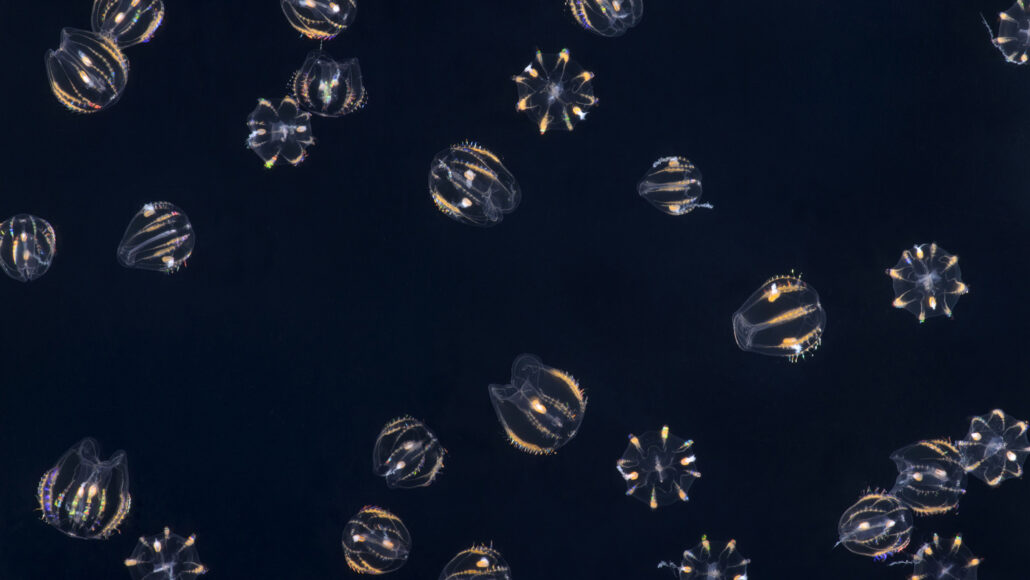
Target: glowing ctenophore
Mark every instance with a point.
(407, 454)
(607, 18)
(127, 22)
(84, 496)
(658, 468)
(88, 72)
(931, 479)
(541, 409)
(479, 562)
(554, 91)
(782, 318)
(159, 237)
(673, 185)
(469, 184)
(329, 88)
(877, 525)
(165, 556)
(995, 447)
(285, 131)
(375, 541)
(319, 19)
(699, 563)
(927, 281)
(1013, 38)
(945, 560)
(27, 247)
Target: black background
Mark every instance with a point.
(323, 300)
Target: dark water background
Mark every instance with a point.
(323, 300)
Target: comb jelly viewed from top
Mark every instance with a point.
(927, 281)
(159, 237)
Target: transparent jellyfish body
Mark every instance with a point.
(27, 247)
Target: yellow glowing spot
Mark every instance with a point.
(633, 476)
(1011, 456)
(119, 17)
(85, 59)
(358, 538)
(131, 562)
(157, 546)
(482, 562)
(773, 293)
(932, 302)
(465, 202)
(665, 433)
(538, 406)
(919, 253)
(863, 526)
(387, 543)
(634, 441)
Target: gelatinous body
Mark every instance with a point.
(329, 88)
(541, 409)
(931, 478)
(995, 447)
(83, 496)
(927, 281)
(673, 185)
(165, 556)
(554, 91)
(699, 563)
(87, 72)
(945, 560)
(375, 541)
(469, 184)
(478, 562)
(782, 318)
(1013, 38)
(607, 17)
(320, 19)
(407, 454)
(659, 468)
(877, 525)
(159, 237)
(27, 247)
(127, 22)
(285, 131)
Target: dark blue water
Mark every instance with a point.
(247, 389)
